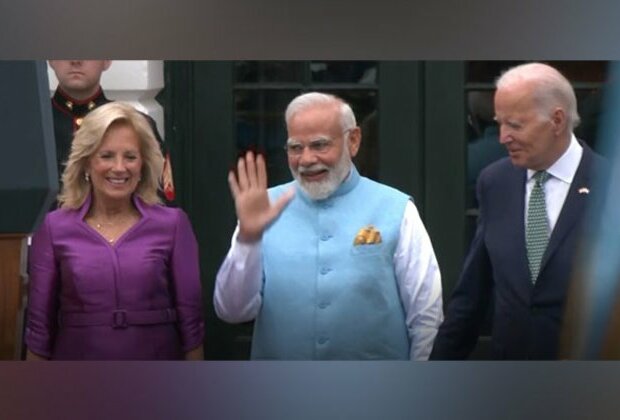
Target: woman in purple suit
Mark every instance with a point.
(113, 273)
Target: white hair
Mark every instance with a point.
(552, 88)
(315, 99)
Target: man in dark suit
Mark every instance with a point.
(79, 92)
(532, 205)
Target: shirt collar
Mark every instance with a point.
(566, 166)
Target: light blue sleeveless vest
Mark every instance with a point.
(323, 296)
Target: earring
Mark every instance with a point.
(87, 176)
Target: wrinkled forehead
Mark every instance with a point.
(521, 95)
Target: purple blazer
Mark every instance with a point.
(137, 299)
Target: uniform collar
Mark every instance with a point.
(76, 107)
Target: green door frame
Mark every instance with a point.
(445, 157)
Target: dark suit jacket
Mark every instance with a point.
(526, 318)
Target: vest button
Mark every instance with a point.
(323, 305)
(325, 270)
(323, 340)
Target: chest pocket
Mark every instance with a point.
(368, 250)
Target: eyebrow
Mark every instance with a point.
(319, 138)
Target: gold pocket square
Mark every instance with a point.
(367, 236)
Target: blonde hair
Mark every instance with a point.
(88, 139)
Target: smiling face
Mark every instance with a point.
(116, 165)
(534, 138)
(320, 172)
(79, 78)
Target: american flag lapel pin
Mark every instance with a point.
(583, 190)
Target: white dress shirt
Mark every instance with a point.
(237, 296)
(557, 186)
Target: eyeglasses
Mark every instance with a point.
(318, 146)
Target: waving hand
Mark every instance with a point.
(249, 190)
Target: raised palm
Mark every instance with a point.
(249, 190)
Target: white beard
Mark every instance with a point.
(320, 190)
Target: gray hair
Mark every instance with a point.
(315, 99)
(552, 88)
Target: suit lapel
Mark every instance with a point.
(573, 208)
(518, 181)
(514, 204)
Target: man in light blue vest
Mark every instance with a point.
(332, 265)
